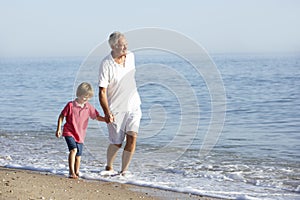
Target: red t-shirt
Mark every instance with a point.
(77, 119)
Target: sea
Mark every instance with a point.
(231, 131)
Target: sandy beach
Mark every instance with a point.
(25, 184)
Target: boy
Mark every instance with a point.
(77, 114)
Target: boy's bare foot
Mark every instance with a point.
(73, 176)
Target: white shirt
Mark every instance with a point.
(119, 79)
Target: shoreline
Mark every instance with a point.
(27, 184)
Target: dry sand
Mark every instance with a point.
(25, 184)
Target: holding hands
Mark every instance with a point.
(109, 118)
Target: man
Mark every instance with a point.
(119, 100)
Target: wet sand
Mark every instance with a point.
(25, 184)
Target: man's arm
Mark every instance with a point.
(104, 104)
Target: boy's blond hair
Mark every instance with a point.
(85, 89)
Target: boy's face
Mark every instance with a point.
(83, 99)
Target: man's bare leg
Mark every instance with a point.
(111, 154)
(128, 150)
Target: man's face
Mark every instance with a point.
(121, 47)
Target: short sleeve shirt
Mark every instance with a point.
(77, 119)
(119, 80)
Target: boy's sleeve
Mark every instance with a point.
(66, 109)
(93, 112)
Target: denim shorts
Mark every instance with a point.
(72, 145)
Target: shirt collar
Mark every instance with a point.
(77, 104)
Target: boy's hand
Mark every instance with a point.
(58, 133)
(111, 118)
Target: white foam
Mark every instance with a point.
(238, 176)
(246, 197)
(215, 179)
(298, 189)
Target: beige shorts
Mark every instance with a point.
(124, 123)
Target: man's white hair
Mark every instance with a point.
(114, 38)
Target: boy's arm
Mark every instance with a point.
(100, 118)
(59, 123)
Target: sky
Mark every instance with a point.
(75, 27)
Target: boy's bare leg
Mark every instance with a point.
(72, 155)
(111, 154)
(77, 164)
(128, 150)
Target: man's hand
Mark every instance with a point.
(109, 118)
